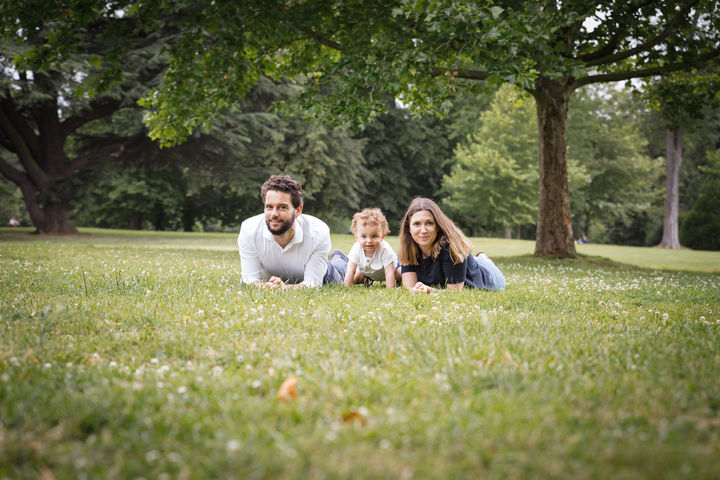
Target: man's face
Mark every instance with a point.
(280, 214)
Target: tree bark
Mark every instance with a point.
(136, 221)
(41, 155)
(47, 220)
(673, 153)
(554, 227)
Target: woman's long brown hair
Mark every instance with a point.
(458, 243)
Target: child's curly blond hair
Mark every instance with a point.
(370, 215)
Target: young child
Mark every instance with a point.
(371, 257)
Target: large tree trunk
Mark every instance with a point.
(49, 220)
(53, 220)
(673, 153)
(40, 152)
(554, 227)
(56, 221)
(136, 221)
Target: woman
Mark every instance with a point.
(434, 253)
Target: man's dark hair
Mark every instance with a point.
(283, 183)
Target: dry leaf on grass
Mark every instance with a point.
(356, 417)
(287, 390)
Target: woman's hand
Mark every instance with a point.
(422, 288)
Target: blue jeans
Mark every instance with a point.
(336, 267)
(483, 273)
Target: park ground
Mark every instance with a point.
(141, 355)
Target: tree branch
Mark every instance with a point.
(455, 73)
(669, 28)
(113, 149)
(647, 72)
(322, 39)
(615, 39)
(7, 145)
(97, 109)
(604, 51)
(19, 123)
(13, 174)
(21, 149)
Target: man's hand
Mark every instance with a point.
(277, 282)
(274, 282)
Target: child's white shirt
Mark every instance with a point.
(373, 267)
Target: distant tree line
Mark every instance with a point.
(80, 82)
(482, 169)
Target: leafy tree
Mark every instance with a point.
(215, 176)
(243, 148)
(64, 65)
(405, 156)
(682, 99)
(136, 196)
(622, 184)
(420, 50)
(494, 182)
(701, 226)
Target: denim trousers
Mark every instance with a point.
(336, 267)
(490, 278)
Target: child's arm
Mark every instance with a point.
(390, 275)
(350, 274)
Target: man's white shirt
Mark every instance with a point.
(303, 260)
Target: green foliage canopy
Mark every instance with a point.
(623, 181)
(416, 49)
(701, 227)
(494, 182)
(356, 52)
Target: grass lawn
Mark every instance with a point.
(141, 355)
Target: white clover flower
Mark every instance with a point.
(152, 455)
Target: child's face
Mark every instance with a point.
(369, 236)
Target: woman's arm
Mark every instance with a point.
(350, 273)
(410, 281)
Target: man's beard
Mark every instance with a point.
(283, 228)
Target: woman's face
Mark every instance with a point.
(423, 229)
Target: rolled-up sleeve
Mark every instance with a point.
(249, 262)
(317, 265)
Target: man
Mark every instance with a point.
(282, 248)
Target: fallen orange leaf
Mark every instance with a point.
(353, 416)
(287, 390)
